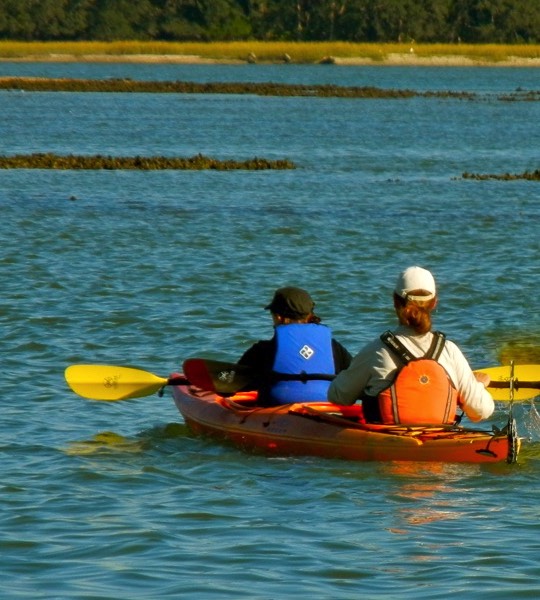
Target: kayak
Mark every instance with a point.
(329, 430)
(309, 428)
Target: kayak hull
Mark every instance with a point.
(326, 430)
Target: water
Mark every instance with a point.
(104, 500)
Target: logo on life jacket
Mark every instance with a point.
(421, 391)
(306, 352)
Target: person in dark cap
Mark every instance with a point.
(300, 345)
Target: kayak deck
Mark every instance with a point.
(328, 430)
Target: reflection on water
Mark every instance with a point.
(522, 351)
(107, 441)
(111, 442)
(424, 491)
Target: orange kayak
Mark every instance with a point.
(332, 431)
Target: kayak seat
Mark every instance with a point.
(247, 399)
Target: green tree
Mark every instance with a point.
(203, 19)
(280, 20)
(352, 21)
(59, 19)
(504, 21)
(15, 20)
(180, 20)
(122, 20)
(522, 24)
(498, 21)
(300, 20)
(225, 20)
(495, 21)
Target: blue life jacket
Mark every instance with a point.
(302, 348)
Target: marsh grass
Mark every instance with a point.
(486, 52)
(299, 52)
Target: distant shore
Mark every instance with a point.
(270, 52)
(392, 59)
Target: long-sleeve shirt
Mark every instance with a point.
(373, 369)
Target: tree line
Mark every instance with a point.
(427, 21)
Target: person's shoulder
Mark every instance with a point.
(337, 345)
(262, 345)
(265, 343)
(452, 348)
(449, 343)
(259, 351)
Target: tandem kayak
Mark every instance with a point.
(332, 431)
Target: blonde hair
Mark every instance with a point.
(415, 313)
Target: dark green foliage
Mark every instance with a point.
(468, 21)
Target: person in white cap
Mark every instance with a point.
(413, 375)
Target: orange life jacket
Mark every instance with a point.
(422, 391)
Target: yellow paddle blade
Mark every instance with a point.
(104, 382)
(526, 382)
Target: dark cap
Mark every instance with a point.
(291, 302)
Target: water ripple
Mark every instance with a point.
(117, 500)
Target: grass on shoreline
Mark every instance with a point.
(299, 52)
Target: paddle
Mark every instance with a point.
(218, 376)
(103, 382)
(111, 383)
(525, 378)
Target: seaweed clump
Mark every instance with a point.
(127, 85)
(528, 175)
(198, 162)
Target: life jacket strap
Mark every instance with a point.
(397, 347)
(405, 355)
(437, 345)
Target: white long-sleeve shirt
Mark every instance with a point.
(373, 369)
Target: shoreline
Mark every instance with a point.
(403, 59)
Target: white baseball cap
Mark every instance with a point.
(415, 279)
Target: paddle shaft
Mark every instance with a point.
(203, 373)
(105, 382)
(518, 385)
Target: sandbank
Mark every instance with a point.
(394, 59)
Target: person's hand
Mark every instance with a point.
(483, 378)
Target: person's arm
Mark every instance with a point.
(474, 398)
(349, 384)
(342, 357)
